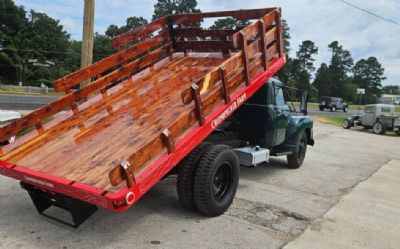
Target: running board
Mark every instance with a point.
(80, 211)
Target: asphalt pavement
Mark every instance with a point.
(24, 102)
(274, 205)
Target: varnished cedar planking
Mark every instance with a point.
(145, 103)
(79, 95)
(124, 39)
(95, 69)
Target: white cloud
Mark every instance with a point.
(321, 21)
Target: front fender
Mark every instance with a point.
(296, 127)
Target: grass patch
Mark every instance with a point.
(334, 120)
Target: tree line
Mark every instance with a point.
(35, 49)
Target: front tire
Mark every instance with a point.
(216, 180)
(379, 128)
(346, 124)
(333, 109)
(345, 109)
(321, 108)
(295, 160)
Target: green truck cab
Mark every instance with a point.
(270, 121)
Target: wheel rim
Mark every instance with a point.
(378, 128)
(222, 181)
(345, 124)
(302, 150)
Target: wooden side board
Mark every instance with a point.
(61, 104)
(124, 39)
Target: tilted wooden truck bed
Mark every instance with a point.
(170, 85)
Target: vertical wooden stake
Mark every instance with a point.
(39, 128)
(104, 93)
(279, 37)
(74, 106)
(168, 141)
(198, 104)
(224, 80)
(128, 175)
(243, 45)
(225, 50)
(263, 44)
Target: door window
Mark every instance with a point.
(280, 98)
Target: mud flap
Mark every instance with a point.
(80, 211)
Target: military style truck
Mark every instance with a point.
(379, 117)
(176, 99)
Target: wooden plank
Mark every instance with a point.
(66, 82)
(203, 45)
(198, 104)
(80, 95)
(124, 39)
(224, 81)
(263, 43)
(279, 33)
(245, 58)
(168, 141)
(237, 14)
(252, 30)
(199, 32)
(212, 78)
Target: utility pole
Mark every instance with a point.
(87, 37)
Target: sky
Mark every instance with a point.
(321, 21)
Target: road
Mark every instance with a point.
(273, 206)
(31, 102)
(329, 113)
(23, 102)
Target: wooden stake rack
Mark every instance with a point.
(244, 53)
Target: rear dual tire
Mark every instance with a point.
(213, 179)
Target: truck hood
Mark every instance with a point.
(8, 115)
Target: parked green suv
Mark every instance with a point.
(333, 104)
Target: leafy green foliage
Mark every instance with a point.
(391, 89)
(168, 7)
(228, 23)
(131, 23)
(368, 74)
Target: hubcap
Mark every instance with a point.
(222, 180)
(378, 128)
(345, 124)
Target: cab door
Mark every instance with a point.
(282, 115)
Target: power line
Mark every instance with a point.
(369, 12)
(45, 51)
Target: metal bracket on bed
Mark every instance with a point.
(80, 211)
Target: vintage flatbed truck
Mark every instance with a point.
(152, 106)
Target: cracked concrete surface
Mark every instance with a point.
(273, 206)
